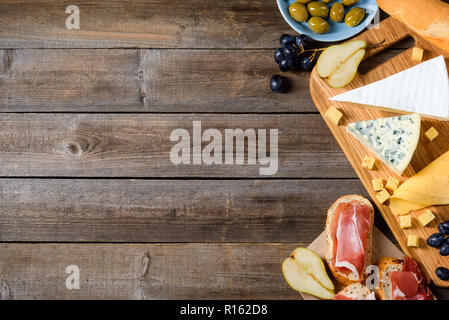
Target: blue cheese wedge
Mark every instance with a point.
(422, 89)
(393, 140)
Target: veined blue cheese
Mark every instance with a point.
(393, 140)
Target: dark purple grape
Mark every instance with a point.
(290, 51)
(286, 64)
(278, 55)
(444, 249)
(442, 273)
(443, 227)
(302, 40)
(286, 39)
(277, 83)
(435, 240)
(307, 64)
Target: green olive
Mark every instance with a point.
(318, 25)
(318, 9)
(354, 17)
(298, 11)
(303, 1)
(337, 12)
(326, 1)
(349, 2)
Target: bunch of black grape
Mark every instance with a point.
(295, 53)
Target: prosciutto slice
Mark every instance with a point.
(350, 227)
(409, 284)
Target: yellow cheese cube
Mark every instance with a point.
(426, 217)
(431, 134)
(383, 196)
(405, 221)
(334, 115)
(417, 54)
(392, 183)
(368, 162)
(413, 241)
(378, 184)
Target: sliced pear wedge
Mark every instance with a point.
(312, 264)
(334, 56)
(304, 271)
(347, 71)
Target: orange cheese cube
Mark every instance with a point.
(413, 241)
(426, 217)
(405, 221)
(383, 196)
(392, 183)
(368, 162)
(431, 134)
(334, 115)
(378, 184)
(417, 54)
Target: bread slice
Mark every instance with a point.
(386, 265)
(352, 277)
(357, 291)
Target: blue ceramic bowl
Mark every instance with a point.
(338, 30)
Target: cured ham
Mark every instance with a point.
(350, 228)
(409, 283)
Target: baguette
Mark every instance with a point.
(355, 291)
(347, 279)
(428, 18)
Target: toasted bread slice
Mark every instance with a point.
(352, 277)
(357, 291)
(386, 265)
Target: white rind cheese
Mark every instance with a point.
(393, 140)
(422, 89)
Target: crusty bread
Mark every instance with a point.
(340, 277)
(428, 18)
(357, 291)
(386, 265)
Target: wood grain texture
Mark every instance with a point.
(136, 145)
(146, 271)
(142, 24)
(425, 153)
(105, 80)
(42, 210)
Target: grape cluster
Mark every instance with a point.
(295, 53)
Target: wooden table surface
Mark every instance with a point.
(85, 174)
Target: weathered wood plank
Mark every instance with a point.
(101, 80)
(41, 210)
(143, 24)
(138, 145)
(145, 271)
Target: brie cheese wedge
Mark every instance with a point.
(393, 140)
(422, 89)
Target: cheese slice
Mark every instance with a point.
(422, 89)
(393, 140)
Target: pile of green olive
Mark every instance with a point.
(319, 11)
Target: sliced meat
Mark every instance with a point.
(350, 227)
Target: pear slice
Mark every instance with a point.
(347, 71)
(303, 282)
(304, 271)
(334, 56)
(312, 264)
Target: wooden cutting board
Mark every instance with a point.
(392, 31)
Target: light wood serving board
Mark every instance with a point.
(392, 31)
